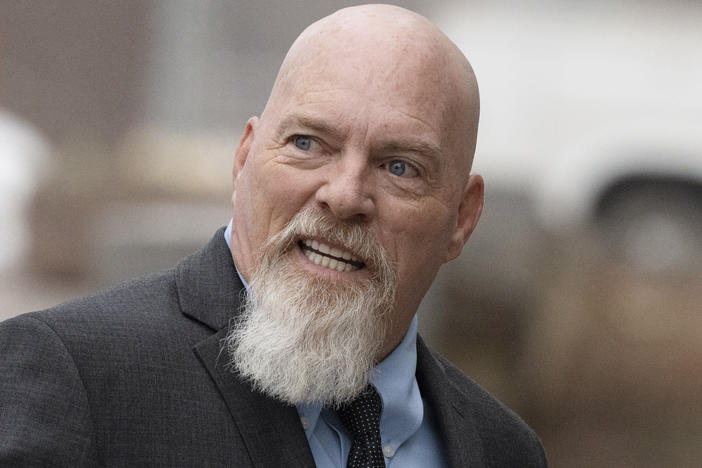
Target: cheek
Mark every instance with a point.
(418, 239)
(282, 192)
(248, 211)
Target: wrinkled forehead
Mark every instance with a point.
(401, 67)
(390, 75)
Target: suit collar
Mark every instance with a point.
(453, 413)
(209, 291)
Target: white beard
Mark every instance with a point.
(304, 339)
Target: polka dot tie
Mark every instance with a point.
(361, 416)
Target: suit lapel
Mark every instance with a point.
(452, 411)
(208, 285)
(209, 291)
(271, 430)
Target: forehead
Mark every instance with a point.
(378, 91)
(346, 110)
(409, 71)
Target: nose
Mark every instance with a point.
(346, 191)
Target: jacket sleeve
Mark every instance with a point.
(44, 411)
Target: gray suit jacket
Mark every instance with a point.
(135, 376)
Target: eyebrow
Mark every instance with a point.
(432, 151)
(298, 120)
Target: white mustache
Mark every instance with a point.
(354, 237)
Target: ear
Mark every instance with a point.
(469, 211)
(242, 151)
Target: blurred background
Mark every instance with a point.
(577, 299)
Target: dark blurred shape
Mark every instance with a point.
(654, 222)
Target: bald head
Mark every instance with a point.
(393, 52)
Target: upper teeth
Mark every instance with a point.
(325, 260)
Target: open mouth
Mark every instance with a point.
(330, 257)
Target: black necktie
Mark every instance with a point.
(361, 416)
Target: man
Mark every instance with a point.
(350, 191)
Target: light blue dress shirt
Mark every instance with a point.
(408, 434)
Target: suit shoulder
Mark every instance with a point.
(146, 294)
(145, 309)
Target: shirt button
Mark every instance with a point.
(388, 451)
(305, 423)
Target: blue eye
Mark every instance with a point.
(397, 167)
(302, 142)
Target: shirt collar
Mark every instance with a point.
(395, 380)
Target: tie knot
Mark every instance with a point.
(361, 415)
